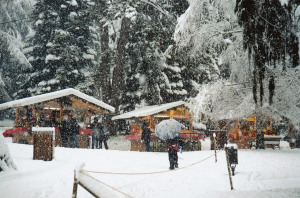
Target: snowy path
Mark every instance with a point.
(260, 173)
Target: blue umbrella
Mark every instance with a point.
(168, 129)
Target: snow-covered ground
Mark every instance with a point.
(260, 173)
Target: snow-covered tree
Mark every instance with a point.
(14, 26)
(270, 41)
(6, 162)
(61, 46)
(234, 98)
(152, 78)
(202, 35)
(94, 74)
(173, 88)
(173, 72)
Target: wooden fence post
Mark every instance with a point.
(75, 186)
(214, 134)
(228, 166)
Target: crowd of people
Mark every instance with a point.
(69, 131)
(99, 135)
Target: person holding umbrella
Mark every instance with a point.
(170, 130)
(173, 147)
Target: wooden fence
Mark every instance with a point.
(43, 143)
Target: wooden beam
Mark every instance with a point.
(17, 116)
(78, 103)
(61, 113)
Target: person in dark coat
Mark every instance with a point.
(64, 129)
(103, 138)
(173, 147)
(146, 133)
(99, 135)
(75, 131)
(47, 121)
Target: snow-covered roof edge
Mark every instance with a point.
(149, 110)
(54, 95)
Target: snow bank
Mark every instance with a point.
(260, 173)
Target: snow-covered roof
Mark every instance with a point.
(54, 95)
(149, 110)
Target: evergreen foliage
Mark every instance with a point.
(14, 26)
(151, 80)
(61, 46)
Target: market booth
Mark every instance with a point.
(47, 110)
(154, 115)
(243, 132)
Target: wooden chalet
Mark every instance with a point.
(33, 111)
(154, 115)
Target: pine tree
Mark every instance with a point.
(61, 46)
(142, 84)
(173, 70)
(150, 79)
(93, 84)
(174, 89)
(14, 26)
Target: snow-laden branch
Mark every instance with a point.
(14, 48)
(223, 33)
(158, 8)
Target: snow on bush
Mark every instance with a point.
(6, 162)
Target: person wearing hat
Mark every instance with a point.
(98, 135)
(74, 127)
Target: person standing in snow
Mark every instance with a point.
(98, 135)
(75, 131)
(64, 129)
(146, 136)
(173, 147)
(103, 138)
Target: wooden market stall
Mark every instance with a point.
(243, 132)
(47, 110)
(154, 115)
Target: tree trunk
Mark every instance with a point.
(260, 143)
(118, 73)
(105, 67)
(105, 75)
(257, 81)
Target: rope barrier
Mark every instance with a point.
(116, 173)
(151, 173)
(127, 195)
